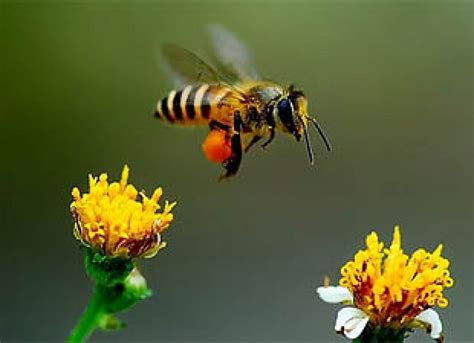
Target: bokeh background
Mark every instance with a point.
(392, 84)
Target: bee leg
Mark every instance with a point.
(232, 164)
(254, 140)
(215, 125)
(270, 139)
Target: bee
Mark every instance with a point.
(235, 102)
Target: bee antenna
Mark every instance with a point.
(321, 132)
(309, 148)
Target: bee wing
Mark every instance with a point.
(232, 54)
(179, 81)
(185, 66)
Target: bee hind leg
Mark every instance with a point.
(215, 125)
(232, 164)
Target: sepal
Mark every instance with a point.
(104, 270)
(123, 295)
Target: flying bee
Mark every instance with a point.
(236, 103)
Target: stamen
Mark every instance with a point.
(118, 220)
(384, 284)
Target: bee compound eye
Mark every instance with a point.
(285, 112)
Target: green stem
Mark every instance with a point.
(118, 286)
(89, 320)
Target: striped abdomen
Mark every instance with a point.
(192, 105)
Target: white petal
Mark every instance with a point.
(352, 321)
(431, 318)
(335, 294)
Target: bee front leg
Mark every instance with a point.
(270, 122)
(232, 164)
(270, 139)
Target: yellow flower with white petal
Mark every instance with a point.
(390, 289)
(119, 221)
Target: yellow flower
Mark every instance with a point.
(117, 220)
(391, 289)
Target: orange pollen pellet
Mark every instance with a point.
(216, 146)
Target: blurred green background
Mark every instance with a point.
(392, 84)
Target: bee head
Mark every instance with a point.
(291, 111)
(292, 114)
